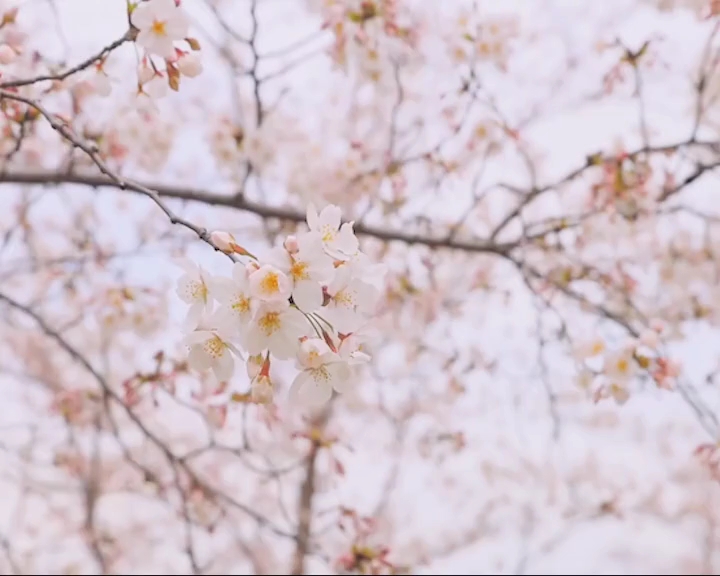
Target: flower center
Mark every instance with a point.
(270, 323)
(623, 365)
(320, 374)
(241, 304)
(215, 347)
(328, 233)
(197, 290)
(299, 271)
(344, 298)
(158, 28)
(270, 284)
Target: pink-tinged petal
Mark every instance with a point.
(330, 216)
(283, 345)
(308, 295)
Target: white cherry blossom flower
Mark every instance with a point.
(193, 288)
(160, 24)
(211, 350)
(277, 327)
(308, 268)
(269, 284)
(322, 371)
(351, 300)
(235, 311)
(340, 241)
(620, 366)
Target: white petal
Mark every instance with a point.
(198, 359)
(330, 216)
(283, 345)
(308, 295)
(222, 288)
(177, 26)
(240, 275)
(255, 341)
(223, 367)
(143, 15)
(312, 217)
(346, 241)
(340, 376)
(309, 244)
(309, 392)
(194, 316)
(279, 258)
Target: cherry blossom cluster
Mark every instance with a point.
(610, 373)
(308, 300)
(159, 26)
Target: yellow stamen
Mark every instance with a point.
(270, 323)
(158, 27)
(270, 284)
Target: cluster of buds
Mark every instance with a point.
(309, 299)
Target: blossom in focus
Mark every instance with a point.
(160, 23)
(193, 289)
(233, 294)
(211, 350)
(322, 371)
(269, 284)
(308, 268)
(339, 241)
(277, 327)
(351, 301)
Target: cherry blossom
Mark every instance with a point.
(235, 311)
(322, 371)
(277, 327)
(350, 302)
(308, 268)
(193, 288)
(269, 284)
(160, 23)
(339, 240)
(211, 350)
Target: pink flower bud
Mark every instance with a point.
(190, 65)
(291, 244)
(7, 54)
(223, 240)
